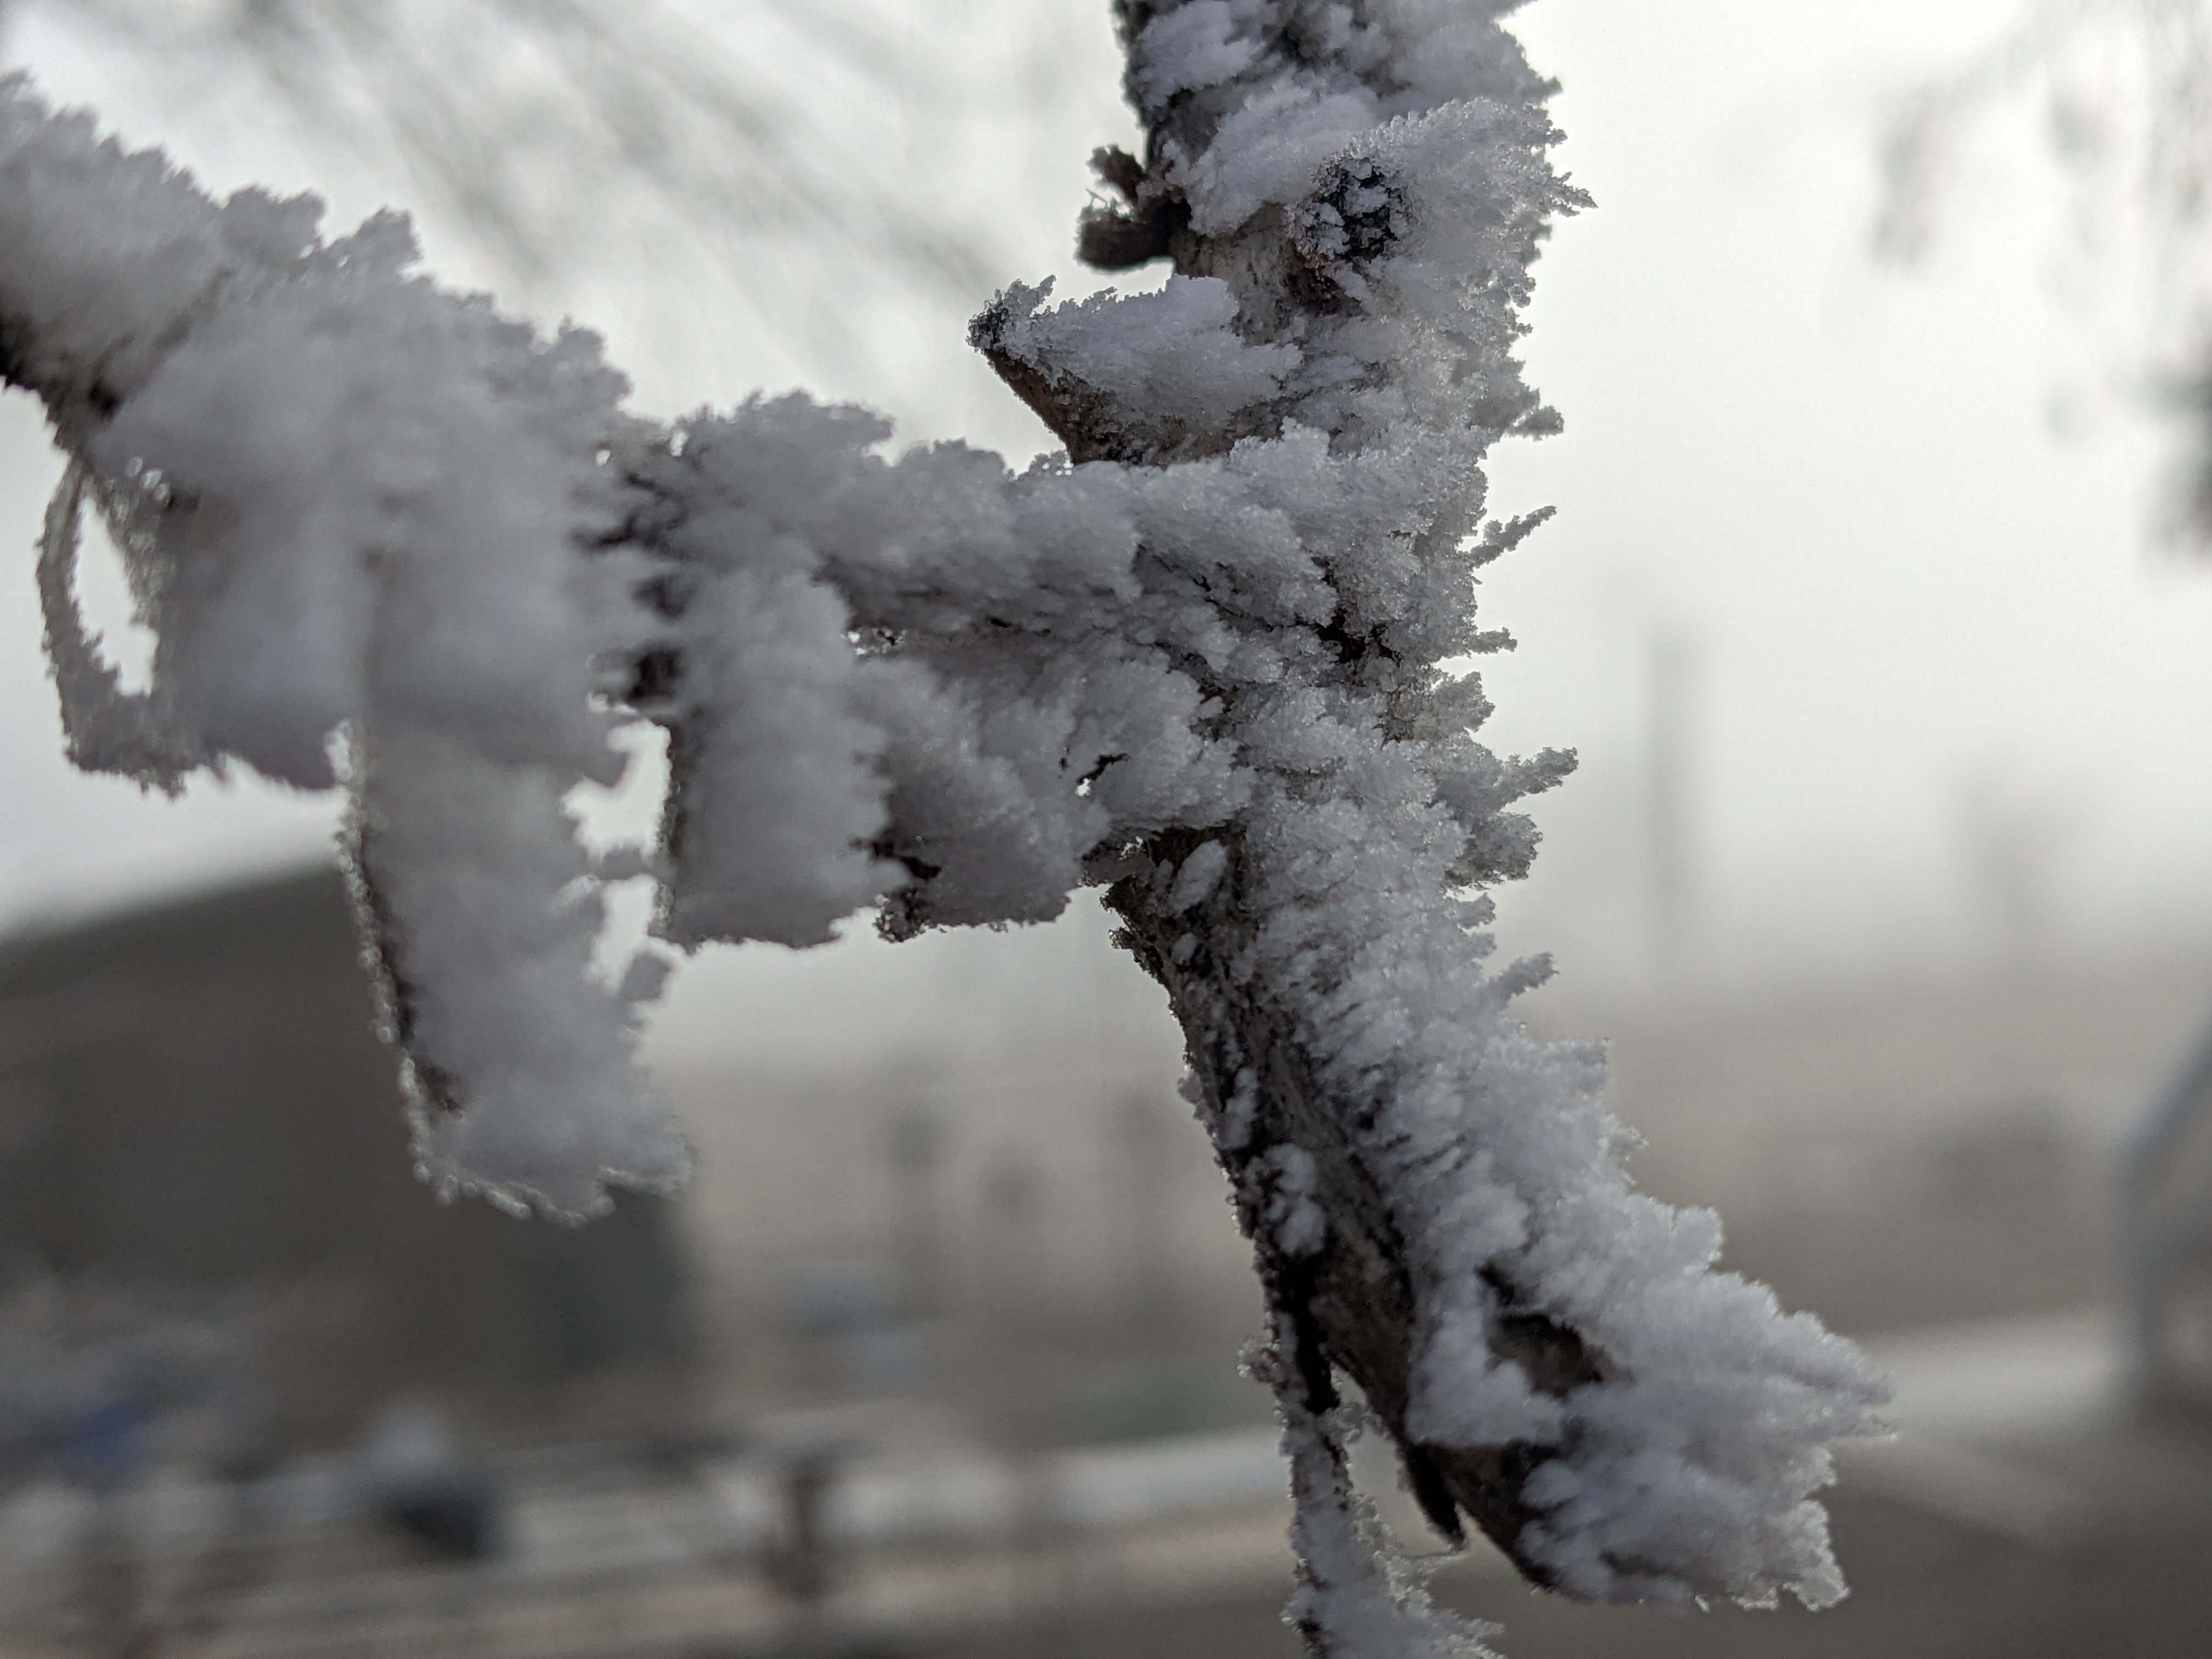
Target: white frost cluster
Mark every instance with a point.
(371, 520)
(1357, 1593)
(352, 508)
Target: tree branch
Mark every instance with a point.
(1350, 1297)
(386, 538)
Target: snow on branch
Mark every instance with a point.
(1203, 658)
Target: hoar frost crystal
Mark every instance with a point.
(389, 541)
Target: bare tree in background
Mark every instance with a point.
(2121, 91)
(574, 116)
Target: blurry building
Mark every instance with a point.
(192, 1096)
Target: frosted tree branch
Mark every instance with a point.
(1206, 659)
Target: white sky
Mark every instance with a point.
(1845, 486)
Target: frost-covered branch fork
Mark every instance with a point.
(389, 541)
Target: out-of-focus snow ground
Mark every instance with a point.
(939, 1354)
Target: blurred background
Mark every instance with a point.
(1874, 606)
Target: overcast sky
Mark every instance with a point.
(1898, 521)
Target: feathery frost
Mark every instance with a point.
(390, 541)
